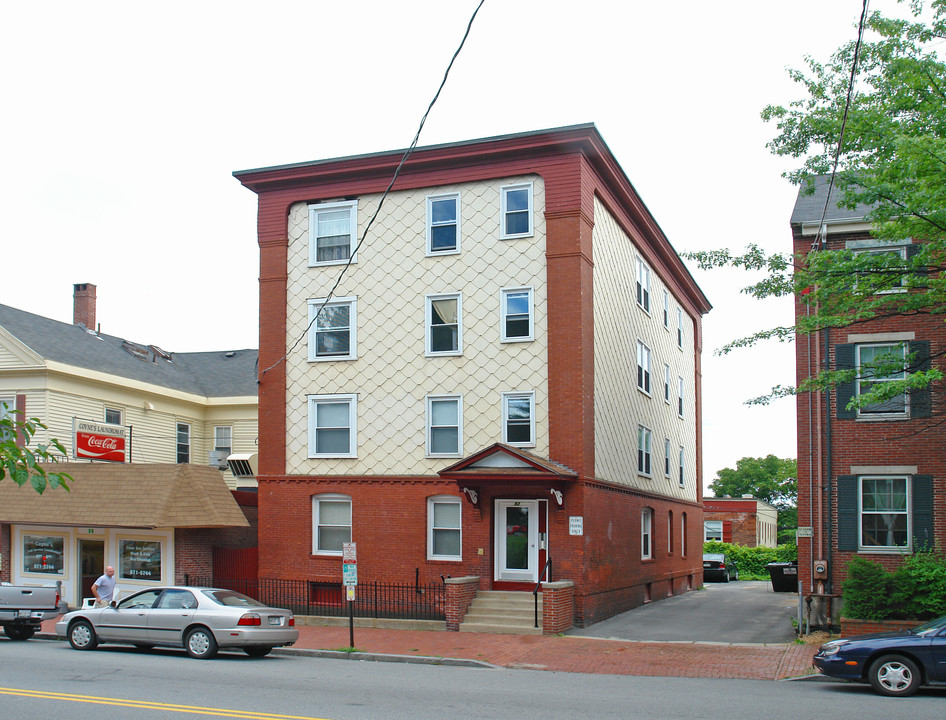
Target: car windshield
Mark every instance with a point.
(930, 628)
(231, 598)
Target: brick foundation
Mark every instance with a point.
(458, 596)
(851, 627)
(558, 606)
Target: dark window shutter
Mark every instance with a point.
(920, 400)
(727, 531)
(844, 360)
(847, 512)
(922, 512)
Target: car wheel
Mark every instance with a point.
(82, 635)
(19, 632)
(726, 576)
(258, 650)
(894, 675)
(200, 643)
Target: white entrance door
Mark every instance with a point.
(517, 540)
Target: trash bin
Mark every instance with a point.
(784, 576)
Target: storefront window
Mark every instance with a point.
(43, 554)
(139, 560)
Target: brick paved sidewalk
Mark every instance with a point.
(567, 653)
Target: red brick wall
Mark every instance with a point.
(558, 607)
(743, 526)
(459, 594)
(888, 443)
(849, 627)
(5, 551)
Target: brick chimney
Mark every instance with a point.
(83, 305)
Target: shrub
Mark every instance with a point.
(751, 561)
(915, 590)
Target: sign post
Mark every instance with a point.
(349, 581)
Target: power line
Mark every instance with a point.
(397, 171)
(819, 239)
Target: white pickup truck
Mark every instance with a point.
(23, 608)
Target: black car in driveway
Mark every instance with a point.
(894, 664)
(719, 567)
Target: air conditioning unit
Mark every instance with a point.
(218, 459)
(244, 465)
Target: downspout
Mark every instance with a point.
(827, 422)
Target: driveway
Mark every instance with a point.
(735, 612)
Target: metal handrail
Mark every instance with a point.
(535, 590)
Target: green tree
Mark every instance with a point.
(768, 478)
(22, 463)
(892, 160)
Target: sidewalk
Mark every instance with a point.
(555, 653)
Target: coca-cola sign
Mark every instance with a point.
(96, 441)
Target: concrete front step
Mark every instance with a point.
(502, 611)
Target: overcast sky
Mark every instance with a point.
(124, 121)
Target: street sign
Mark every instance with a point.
(350, 596)
(803, 532)
(348, 553)
(576, 525)
(349, 574)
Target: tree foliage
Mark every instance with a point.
(892, 160)
(23, 464)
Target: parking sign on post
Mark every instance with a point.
(349, 581)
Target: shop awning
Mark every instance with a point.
(126, 495)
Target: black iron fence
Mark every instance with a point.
(410, 601)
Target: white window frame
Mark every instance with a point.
(666, 383)
(647, 533)
(120, 413)
(229, 433)
(505, 293)
(643, 368)
(317, 501)
(645, 455)
(643, 285)
(428, 334)
(906, 512)
(7, 405)
(431, 199)
(679, 396)
(432, 502)
(892, 348)
(315, 305)
(313, 402)
(507, 397)
(666, 310)
(899, 250)
(503, 191)
(430, 400)
(187, 435)
(680, 328)
(666, 457)
(681, 457)
(314, 211)
(712, 528)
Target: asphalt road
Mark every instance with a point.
(46, 679)
(734, 612)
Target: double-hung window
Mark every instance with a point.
(679, 396)
(647, 533)
(643, 367)
(444, 329)
(331, 523)
(332, 336)
(183, 443)
(443, 224)
(519, 419)
(113, 416)
(667, 457)
(516, 211)
(444, 425)
(885, 520)
(643, 450)
(516, 314)
(333, 232)
(332, 426)
(643, 285)
(666, 310)
(444, 541)
(884, 270)
(223, 439)
(712, 530)
(680, 328)
(682, 480)
(666, 383)
(877, 364)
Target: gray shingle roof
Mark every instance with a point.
(808, 208)
(211, 374)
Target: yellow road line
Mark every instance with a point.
(147, 705)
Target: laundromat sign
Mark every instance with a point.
(97, 441)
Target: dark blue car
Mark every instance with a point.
(894, 664)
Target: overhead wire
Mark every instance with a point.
(397, 171)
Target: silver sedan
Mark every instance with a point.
(201, 620)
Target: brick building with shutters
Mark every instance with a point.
(871, 480)
(745, 521)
